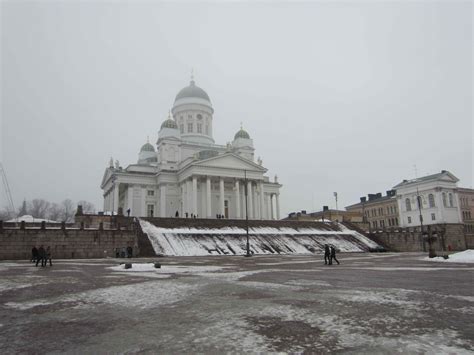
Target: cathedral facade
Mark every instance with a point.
(188, 174)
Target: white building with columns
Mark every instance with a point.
(188, 174)
(435, 197)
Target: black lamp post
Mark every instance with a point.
(246, 214)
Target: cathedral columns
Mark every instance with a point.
(183, 199)
(130, 199)
(189, 203)
(277, 198)
(262, 202)
(163, 200)
(237, 199)
(250, 199)
(208, 198)
(221, 196)
(115, 198)
(194, 195)
(272, 216)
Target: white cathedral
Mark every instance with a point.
(188, 174)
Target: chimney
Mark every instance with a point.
(363, 199)
(379, 195)
(325, 208)
(372, 197)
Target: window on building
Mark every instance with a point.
(190, 127)
(444, 199)
(431, 200)
(375, 224)
(451, 204)
(181, 128)
(388, 210)
(199, 116)
(199, 127)
(433, 217)
(408, 204)
(151, 193)
(409, 219)
(190, 116)
(207, 129)
(396, 221)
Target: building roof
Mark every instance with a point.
(374, 201)
(169, 123)
(147, 147)
(192, 91)
(432, 177)
(242, 134)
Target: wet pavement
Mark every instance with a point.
(371, 303)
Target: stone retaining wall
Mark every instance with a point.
(448, 237)
(65, 243)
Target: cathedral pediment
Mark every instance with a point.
(229, 161)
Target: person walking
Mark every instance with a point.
(34, 254)
(48, 256)
(333, 255)
(41, 256)
(327, 255)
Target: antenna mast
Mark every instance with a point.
(10, 205)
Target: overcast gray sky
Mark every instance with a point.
(338, 96)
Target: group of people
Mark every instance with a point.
(41, 255)
(124, 252)
(330, 254)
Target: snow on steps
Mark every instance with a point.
(181, 237)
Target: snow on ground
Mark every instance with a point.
(263, 240)
(466, 256)
(165, 269)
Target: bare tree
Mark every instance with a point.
(55, 212)
(23, 210)
(68, 210)
(38, 208)
(5, 215)
(87, 207)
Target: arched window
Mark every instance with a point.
(431, 200)
(451, 204)
(444, 200)
(408, 204)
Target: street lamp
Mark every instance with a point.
(246, 213)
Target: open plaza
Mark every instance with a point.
(370, 303)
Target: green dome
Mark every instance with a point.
(169, 123)
(147, 147)
(242, 134)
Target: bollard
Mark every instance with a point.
(157, 265)
(128, 265)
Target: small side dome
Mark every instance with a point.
(147, 147)
(242, 134)
(169, 123)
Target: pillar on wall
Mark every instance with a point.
(143, 202)
(272, 216)
(277, 198)
(250, 199)
(221, 196)
(262, 202)
(115, 198)
(237, 199)
(163, 200)
(208, 198)
(183, 199)
(195, 195)
(189, 196)
(130, 199)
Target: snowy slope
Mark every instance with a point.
(466, 256)
(263, 240)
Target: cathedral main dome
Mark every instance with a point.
(192, 91)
